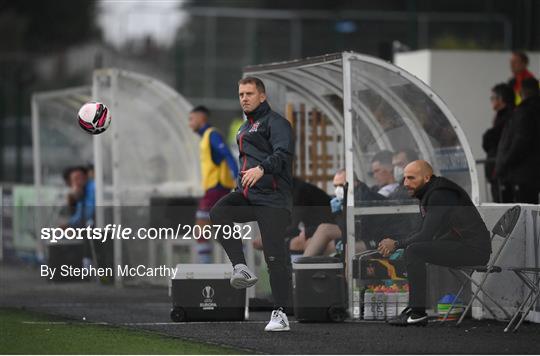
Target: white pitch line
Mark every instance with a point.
(199, 322)
(146, 323)
(192, 322)
(64, 322)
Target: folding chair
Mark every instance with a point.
(503, 228)
(533, 283)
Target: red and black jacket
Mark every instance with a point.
(266, 139)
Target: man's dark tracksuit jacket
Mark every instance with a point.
(449, 214)
(265, 139)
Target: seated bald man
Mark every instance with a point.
(452, 234)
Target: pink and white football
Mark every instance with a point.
(94, 117)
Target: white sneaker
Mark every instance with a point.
(278, 321)
(242, 277)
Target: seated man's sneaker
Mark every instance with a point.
(278, 321)
(242, 277)
(409, 317)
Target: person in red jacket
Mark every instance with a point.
(518, 152)
(518, 64)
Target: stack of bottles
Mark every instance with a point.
(382, 302)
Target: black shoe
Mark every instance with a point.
(409, 317)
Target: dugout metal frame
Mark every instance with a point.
(55, 146)
(149, 131)
(50, 110)
(358, 82)
(151, 119)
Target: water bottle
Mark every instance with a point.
(391, 304)
(380, 305)
(356, 303)
(369, 305)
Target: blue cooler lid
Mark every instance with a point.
(449, 299)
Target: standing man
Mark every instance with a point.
(502, 102)
(518, 65)
(218, 172)
(263, 194)
(452, 234)
(518, 153)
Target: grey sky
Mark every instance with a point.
(131, 19)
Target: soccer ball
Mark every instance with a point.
(94, 117)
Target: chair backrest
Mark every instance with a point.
(504, 228)
(507, 222)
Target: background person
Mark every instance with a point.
(311, 209)
(71, 197)
(518, 154)
(502, 102)
(325, 237)
(400, 160)
(519, 62)
(218, 172)
(382, 172)
(83, 194)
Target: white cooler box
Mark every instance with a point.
(201, 292)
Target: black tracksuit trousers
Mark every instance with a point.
(235, 208)
(449, 253)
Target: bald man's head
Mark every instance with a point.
(421, 166)
(417, 174)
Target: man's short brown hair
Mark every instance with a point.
(253, 80)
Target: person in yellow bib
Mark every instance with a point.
(218, 172)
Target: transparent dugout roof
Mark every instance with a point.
(149, 148)
(57, 139)
(155, 151)
(390, 110)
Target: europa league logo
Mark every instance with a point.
(208, 292)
